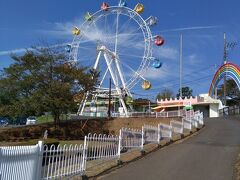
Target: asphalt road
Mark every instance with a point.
(210, 155)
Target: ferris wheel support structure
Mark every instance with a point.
(109, 58)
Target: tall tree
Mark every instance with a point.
(41, 81)
(166, 93)
(233, 93)
(186, 92)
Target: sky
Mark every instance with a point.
(28, 23)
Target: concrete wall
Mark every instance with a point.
(213, 110)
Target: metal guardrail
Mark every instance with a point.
(164, 114)
(228, 111)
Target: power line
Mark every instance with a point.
(175, 85)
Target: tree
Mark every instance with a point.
(41, 81)
(142, 104)
(232, 92)
(186, 92)
(166, 93)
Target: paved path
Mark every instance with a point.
(210, 155)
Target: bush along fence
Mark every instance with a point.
(56, 162)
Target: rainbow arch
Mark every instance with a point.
(230, 70)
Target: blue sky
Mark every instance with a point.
(202, 23)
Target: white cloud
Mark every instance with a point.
(192, 59)
(167, 53)
(190, 28)
(22, 50)
(157, 74)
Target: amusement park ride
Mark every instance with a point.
(104, 32)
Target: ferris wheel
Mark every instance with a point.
(117, 42)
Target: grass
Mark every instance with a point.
(73, 142)
(49, 118)
(44, 119)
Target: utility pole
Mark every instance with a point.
(149, 107)
(109, 98)
(225, 61)
(180, 70)
(215, 70)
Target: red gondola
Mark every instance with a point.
(105, 6)
(159, 41)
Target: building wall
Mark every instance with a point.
(213, 110)
(202, 108)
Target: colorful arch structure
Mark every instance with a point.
(230, 70)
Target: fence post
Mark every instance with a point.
(119, 147)
(0, 163)
(182, 128)
(159, 135)
(84, 158)
(39, 161)
(171, 129)
(142, 150)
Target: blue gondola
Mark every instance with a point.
(122, 3)
(156, 63)
(68, 48)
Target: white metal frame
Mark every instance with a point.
(108, 55)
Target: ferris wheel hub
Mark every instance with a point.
(106, 50)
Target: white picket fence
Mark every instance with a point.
(177, 127)
(167, 114)
(61, 162)
(131, 138)
(187, 123)
(102, 146)
(165, 131)
(192, 119)
(151, 134)
(199, 117)
(20, 162)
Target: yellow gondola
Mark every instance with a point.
(76, 31)
(139, 8)
(146, 85)
(88, 16)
